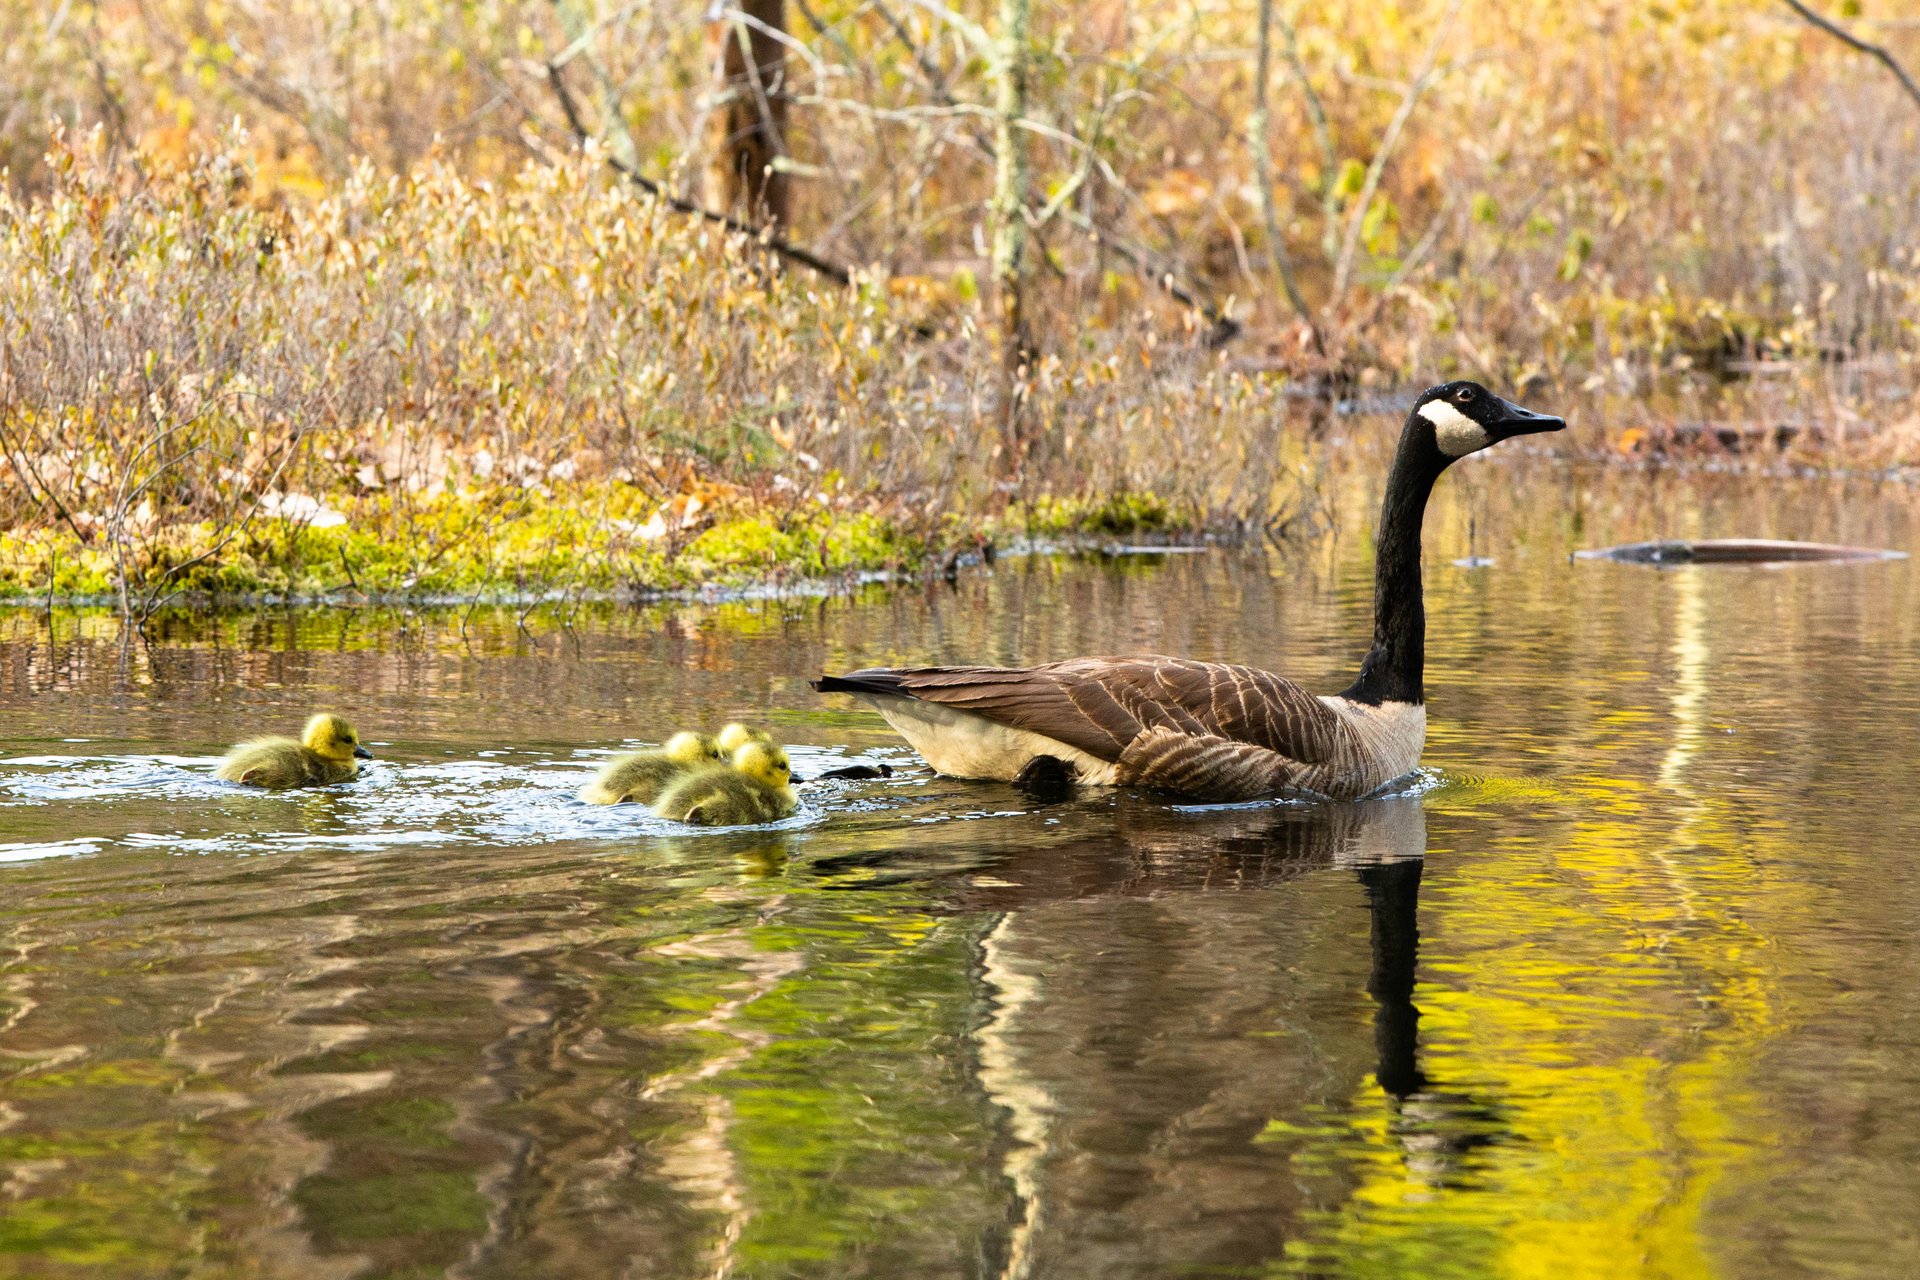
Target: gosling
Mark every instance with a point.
(328, 751)
(757, 786)
(734, 736)
(640, 776)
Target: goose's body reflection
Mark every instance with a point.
(1163, 1032)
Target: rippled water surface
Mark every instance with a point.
(1624, 984)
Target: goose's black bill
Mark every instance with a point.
(1515, 420)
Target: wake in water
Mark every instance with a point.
(177, 804)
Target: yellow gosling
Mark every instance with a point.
(734, 736)
(640, 776)
(328, 751)
(756, 786)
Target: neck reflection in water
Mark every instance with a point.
(1161, 1032)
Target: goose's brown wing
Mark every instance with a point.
(1208, 767)
(1101, 705)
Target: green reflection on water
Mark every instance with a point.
(1645, 1008)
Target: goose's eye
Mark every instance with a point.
(1464, 395)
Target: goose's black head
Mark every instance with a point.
(1464, 417)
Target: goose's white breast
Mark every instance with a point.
(961, 744)
(1390, 736)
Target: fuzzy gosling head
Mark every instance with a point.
(692, 749)
(332, 738)
(764, 762)
(734, 736)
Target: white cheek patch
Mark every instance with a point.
(1455, 433)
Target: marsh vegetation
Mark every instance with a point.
(408, 299)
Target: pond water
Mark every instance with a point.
(1623, 984)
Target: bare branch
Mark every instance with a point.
(1224, 328)
(1322, 129)
(582, 39)
(1370, 186)
(929, 69)
(982, 40)
(581, 34)
(1852, 41)
(774, 244)
(1263, 173)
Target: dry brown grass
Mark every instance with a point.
(1689, 226)
(176, 351)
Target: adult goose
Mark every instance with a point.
(1211, 730)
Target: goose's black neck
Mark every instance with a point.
(1393, 668)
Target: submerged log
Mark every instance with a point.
(1736, 551)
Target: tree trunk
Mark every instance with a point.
(1010, 226)
(748, 125)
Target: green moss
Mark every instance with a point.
(510, 541)
(1124, 512)
(589, 537)
(812, 545)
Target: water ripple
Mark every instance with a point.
(392, 805)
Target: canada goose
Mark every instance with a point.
(754, 786)
(639, 777)
(1210, 730)
(328, 751)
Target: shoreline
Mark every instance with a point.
(934, 568)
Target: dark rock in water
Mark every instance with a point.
(1736, 551)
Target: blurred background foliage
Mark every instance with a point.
(1601, 174)
(322, 251)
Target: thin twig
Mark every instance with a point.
(1852, 41)
(930, 70)
(1224, 328)
(1322, 129)
(1088, 154)
(1370, 186)
(154, 601)
(772, 243)
(1408, 264)
(1263, 174)
(471, 606)
(821, 25)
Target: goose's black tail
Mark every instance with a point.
(880, 680)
